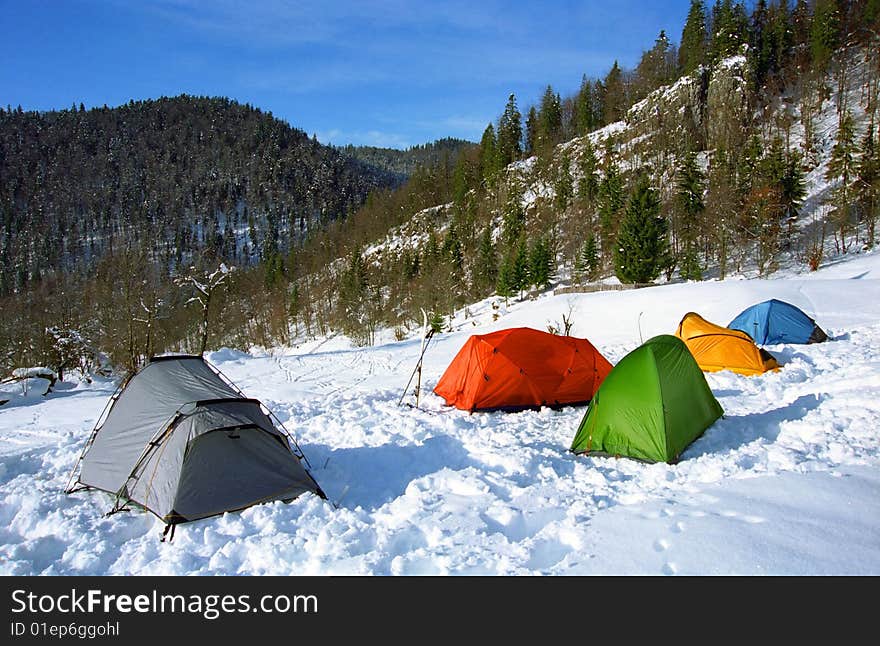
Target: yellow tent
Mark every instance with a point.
(720, 348)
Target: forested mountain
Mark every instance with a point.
(405, 162)
(753, 140)
(178, 176)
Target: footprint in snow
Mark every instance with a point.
(661, 545)
(746, 518)
(670, 569)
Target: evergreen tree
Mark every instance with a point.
(614, 99)
(354, 281)
(586, 263)
(690, 186)
(611, 201)
(432, 253)
(540, 264)
(273, 269)
(486, 268)
(801, 19)
(410, 263)
(489, 156)
(513, 275)
(588, 181)
(436, 322)
(842, 171)
(463, 179)
(793, 188)
(564, 185)
(729, 29)
(531, 131)
(452, 250)
(760, 43)
(657, 67)
(506, 285)
(549, 120)
(642, 248)
(694, 39)
(824, 32)
(509, 133)
(585, 108)
(514, 216)
(868, 185)
(779, 38)
(520, 266)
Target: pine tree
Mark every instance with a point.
(842, 170)
(462, 179)
(642, 248)
(513, 274)
(690, 186)
(779, 38)
(540, 264)
(509, 134)
(801, 18)
(486, 269)
(729, 30)
(410, 264)
(824, 32)
(520, 266)
(432, 253)
(656, 68)
(585, 108)
(868, 185)
(549, 130)
(489, 156)
(436, 322)
(514, 216)
(506, 283)
(694, 39)
(614, 100)
(611, 201)
(793, 188)
(588, 182)
(531, 131)
(760, 44)
(452, 250)
(586, 263)
(564, 188)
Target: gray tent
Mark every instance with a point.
(181, 441)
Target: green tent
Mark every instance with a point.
(651, 406)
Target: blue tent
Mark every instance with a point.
(776, 321)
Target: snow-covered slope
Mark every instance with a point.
(788, 482)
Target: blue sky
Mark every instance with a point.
(371, 72)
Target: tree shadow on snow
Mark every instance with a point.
(735, 431)
(371, 476)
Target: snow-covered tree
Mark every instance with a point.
(205, 286)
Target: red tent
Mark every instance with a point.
(522, 368)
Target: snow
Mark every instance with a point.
(787, 482)
(37, 371)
